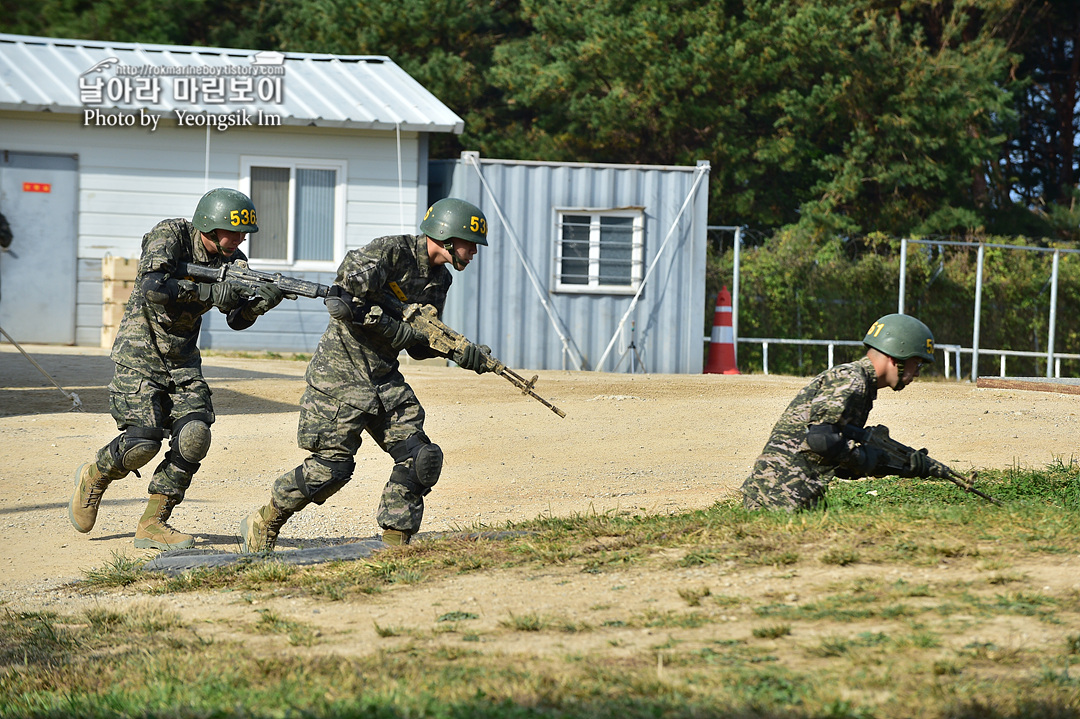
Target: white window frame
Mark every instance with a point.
(293, 164)
(637, 250)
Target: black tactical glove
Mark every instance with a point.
(401, 335)
(473, 356)
(267, 296)
(866, 460)
(225, 295)
(339, 308)
(160, 289)
(918, 465)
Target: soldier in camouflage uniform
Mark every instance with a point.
(804, 453)
(354, 383)
(158, 388)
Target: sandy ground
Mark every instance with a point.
(628, 443)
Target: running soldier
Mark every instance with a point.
(158, 388)
(354, 383)
(801, 456)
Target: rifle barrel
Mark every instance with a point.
(526, 388)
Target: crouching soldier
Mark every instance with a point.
(804, 453)
(158, 390)
(354, 383)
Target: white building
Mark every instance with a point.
(99, 141)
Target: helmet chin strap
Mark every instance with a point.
(212, 234)
(901, 367)
(458, 264)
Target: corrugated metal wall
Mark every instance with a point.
(494, 300)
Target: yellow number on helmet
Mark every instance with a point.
(478, 224)
(234, 217)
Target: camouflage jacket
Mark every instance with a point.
(359, 367)
(159, 342)
(840, 395)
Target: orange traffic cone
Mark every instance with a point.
(722, 342)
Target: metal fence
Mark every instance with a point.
(953, 354)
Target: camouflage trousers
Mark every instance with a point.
(136, 401)
(331, 431)
(778, 483)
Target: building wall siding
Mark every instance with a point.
(495, 301)
(130, 178)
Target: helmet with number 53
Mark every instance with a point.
(451, 218)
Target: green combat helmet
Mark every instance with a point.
(449, 218)
(901, 337)
(225, 209)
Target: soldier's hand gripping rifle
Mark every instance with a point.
(248, 280)
(898, 459)
(424, 320)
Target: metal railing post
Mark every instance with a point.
(1053, 313)
(903, 275)
(735, 292)
(978, 312)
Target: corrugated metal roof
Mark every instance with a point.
(351, 91)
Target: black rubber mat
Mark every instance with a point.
(182, 560)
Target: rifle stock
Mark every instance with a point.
(897, 455)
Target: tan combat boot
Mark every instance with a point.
(154, 532)
(259, 530)
(396, 537)
(89, 486)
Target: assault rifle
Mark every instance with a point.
(425, 320)
(897, 457)
(248, 279)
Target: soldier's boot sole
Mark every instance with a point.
(82, 518)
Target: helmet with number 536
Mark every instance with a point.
(225, 209)
(449, 218)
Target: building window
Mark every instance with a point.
(599, 251)
(300, 206)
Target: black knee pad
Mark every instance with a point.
(136, 446)
(427, 461)
(340, 474)
(190, 440)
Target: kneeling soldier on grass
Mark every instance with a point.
(808, 447)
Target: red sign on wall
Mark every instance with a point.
(36, 187)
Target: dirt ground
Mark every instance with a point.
(628, 443)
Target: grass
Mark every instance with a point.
(920, 604)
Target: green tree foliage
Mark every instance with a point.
(1040, 165)
(447, 45)
(843, 117)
